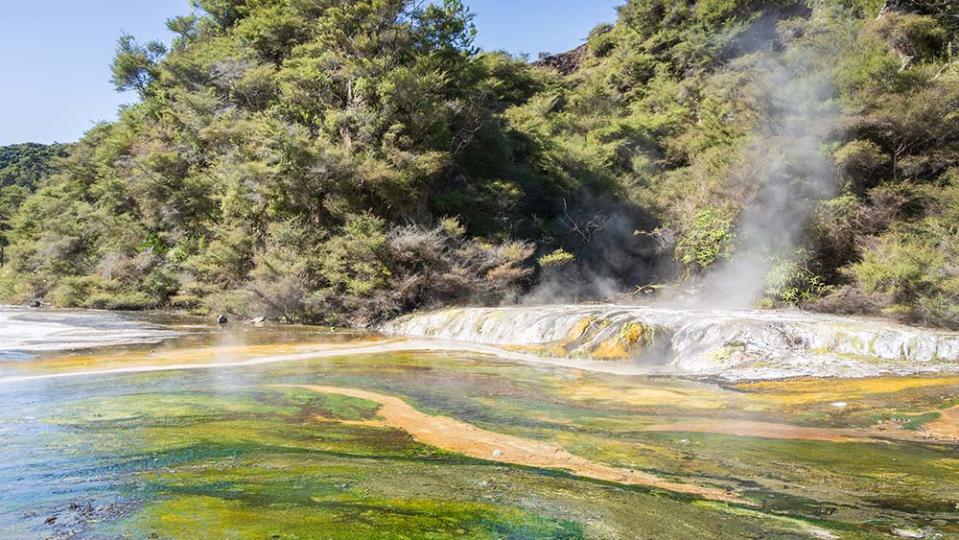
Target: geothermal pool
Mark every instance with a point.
(172, 429)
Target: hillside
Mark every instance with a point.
(22, 167)
(26, 164)
(343, 162)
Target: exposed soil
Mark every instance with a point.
(946, 426)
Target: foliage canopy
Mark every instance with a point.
(344, 161)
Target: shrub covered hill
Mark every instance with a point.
(344, 161)
(22, 166)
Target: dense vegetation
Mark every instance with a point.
(22, 166)
(325, 160)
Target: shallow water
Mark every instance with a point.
(473, 446)
(24, 331)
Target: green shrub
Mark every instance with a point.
(794, 280)
(917, 36)
(556, 259)
(867, 9)
(833, 233)
(129, 300)
(902, 265)
(600, 41)
(916, 270)
(859, 162)
(13, 288)
(73, 291)
(160, 283)
(352, 261)
(871, 69)
(708, 239)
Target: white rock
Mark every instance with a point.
(908, 533)
(732, 344)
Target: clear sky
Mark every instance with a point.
(55, 54)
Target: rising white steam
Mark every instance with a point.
(788, 161)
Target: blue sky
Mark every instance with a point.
(55, 54)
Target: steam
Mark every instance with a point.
(782, 172)
(789, 166)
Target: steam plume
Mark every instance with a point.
(788, 162)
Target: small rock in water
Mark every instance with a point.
(497, 453)
(222, 319)
(684, 441)
(839, 404)
(908, 533)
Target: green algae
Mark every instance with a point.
(267, 475)
(231, 453)
(311, 496)
(334, 518)
(332, 406)
(166, 409)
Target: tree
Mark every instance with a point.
(135, 66)
(303, 156)
(224, 13)
(185, 27)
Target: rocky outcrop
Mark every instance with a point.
(566, 62)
